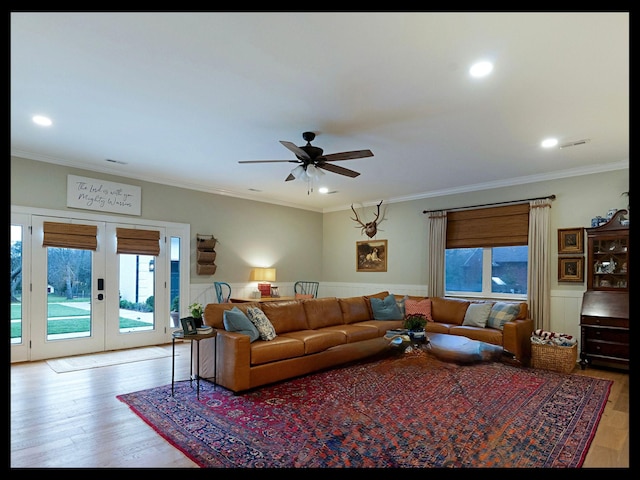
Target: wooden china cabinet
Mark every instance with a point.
(604, 319)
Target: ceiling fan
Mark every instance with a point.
(310, 159)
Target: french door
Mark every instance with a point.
(74, 300)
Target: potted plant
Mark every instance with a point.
(196, 312)
(175, 311)
(415, 324)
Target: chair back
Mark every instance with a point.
(304, 287)
(223, 292)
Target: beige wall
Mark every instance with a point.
(578, 199)
(315, 246)
(249, 233)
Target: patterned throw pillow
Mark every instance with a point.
(400, 302)
(386, 309)
(235, 320)
(477, 315)
(501, 313)
(262, 323)
(419, 307)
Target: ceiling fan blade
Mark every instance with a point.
(332, 157)
(268, 161)
(296, 149)
(289, 178)
(337, 169)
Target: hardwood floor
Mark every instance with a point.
(73, 419)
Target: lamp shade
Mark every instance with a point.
(263, 275)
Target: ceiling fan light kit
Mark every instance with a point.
(311, 161)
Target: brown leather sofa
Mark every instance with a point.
(315, 334)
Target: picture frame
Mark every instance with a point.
(570, 240)
(571, 269)
(371, 256)
(189, 325)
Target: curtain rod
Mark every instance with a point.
(513, 202)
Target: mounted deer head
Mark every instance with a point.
(370, 228)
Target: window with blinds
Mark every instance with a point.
(486, 251)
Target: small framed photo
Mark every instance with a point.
(571, 269)
(371, 256)
(189, 325)
(570, 240)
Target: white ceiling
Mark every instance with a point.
(180, 98)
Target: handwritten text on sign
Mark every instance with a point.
(93, 194)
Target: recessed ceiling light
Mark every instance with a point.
(481, 69)
(549, 142)
(41, 120)
(323, 190)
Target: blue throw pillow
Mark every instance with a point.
(235, 320)
(386, 309)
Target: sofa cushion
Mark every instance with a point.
(280, 348)
(501, 313)
(262, 323)
(448, 309)
(418, 307)
(477, 314)
(488, 335)
(385, 309)
(317, 340)
(323, 312)
(354, 309)
(286, 315)
(236, 321)
(355, 333)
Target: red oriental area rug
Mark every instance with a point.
(407, 410)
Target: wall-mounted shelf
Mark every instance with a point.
(206, 254)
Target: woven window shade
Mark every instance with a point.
(69, 235)
(138, 242)
(488, 227)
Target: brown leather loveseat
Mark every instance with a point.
(315, 334)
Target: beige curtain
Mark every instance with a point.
(539, 277)
(437, 224)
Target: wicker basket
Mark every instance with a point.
(554, 357)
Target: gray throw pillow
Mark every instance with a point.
(235, 320)
(477, 314)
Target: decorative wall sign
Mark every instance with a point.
(371, 256)
(93, 194)
(571, 269)
(570, 240)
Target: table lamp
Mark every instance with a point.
(262, 276)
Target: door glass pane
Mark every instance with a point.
(175, 282)
(137, 287)
(16, 284)
(68, 293)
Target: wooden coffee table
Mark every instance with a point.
(459, 349)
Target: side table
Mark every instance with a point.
(196, 337)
